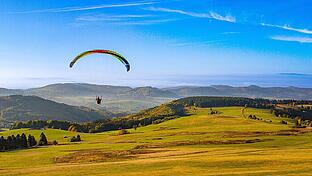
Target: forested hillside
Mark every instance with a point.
(146, 117)
(24, 108)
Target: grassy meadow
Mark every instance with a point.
(198, 144)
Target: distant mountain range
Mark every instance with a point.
(127, 99)
(248, 92)
(115, 98)
(81, 89)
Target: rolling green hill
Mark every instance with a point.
(23, 108)
(198, 144)
(165, 110)
(146, 117)
(177, 108)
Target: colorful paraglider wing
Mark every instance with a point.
(116, 55)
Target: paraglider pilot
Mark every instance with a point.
(98, 100)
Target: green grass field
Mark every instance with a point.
(199, 144)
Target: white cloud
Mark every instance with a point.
(106, 17)
(292, 39)
(144, 22)
(287, 27)
(227, 18)
(210, 15)
(85, 8)
(200, 44)
(124, 19)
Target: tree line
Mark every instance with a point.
(13, 142)
(293, 112)
(293, 108)
(205, 102)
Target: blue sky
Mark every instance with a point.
(165, 41)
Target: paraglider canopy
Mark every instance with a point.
(99, 51)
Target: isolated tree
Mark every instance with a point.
(43, 139)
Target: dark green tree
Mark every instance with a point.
(43, 139)
(24, 141)
(78, 138)
(31, 141)
(2, 143)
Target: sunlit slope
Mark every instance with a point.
(199, 144)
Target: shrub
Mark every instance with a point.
(54, 142)
(123, 132)
(75, 138)
(283, 122)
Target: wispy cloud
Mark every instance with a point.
(210, 15)
(144, 22)
(287, 27)
(107, 17)
(86, 8)
(200, 44)
(227, 18)
(124, 19)
(292, 39)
